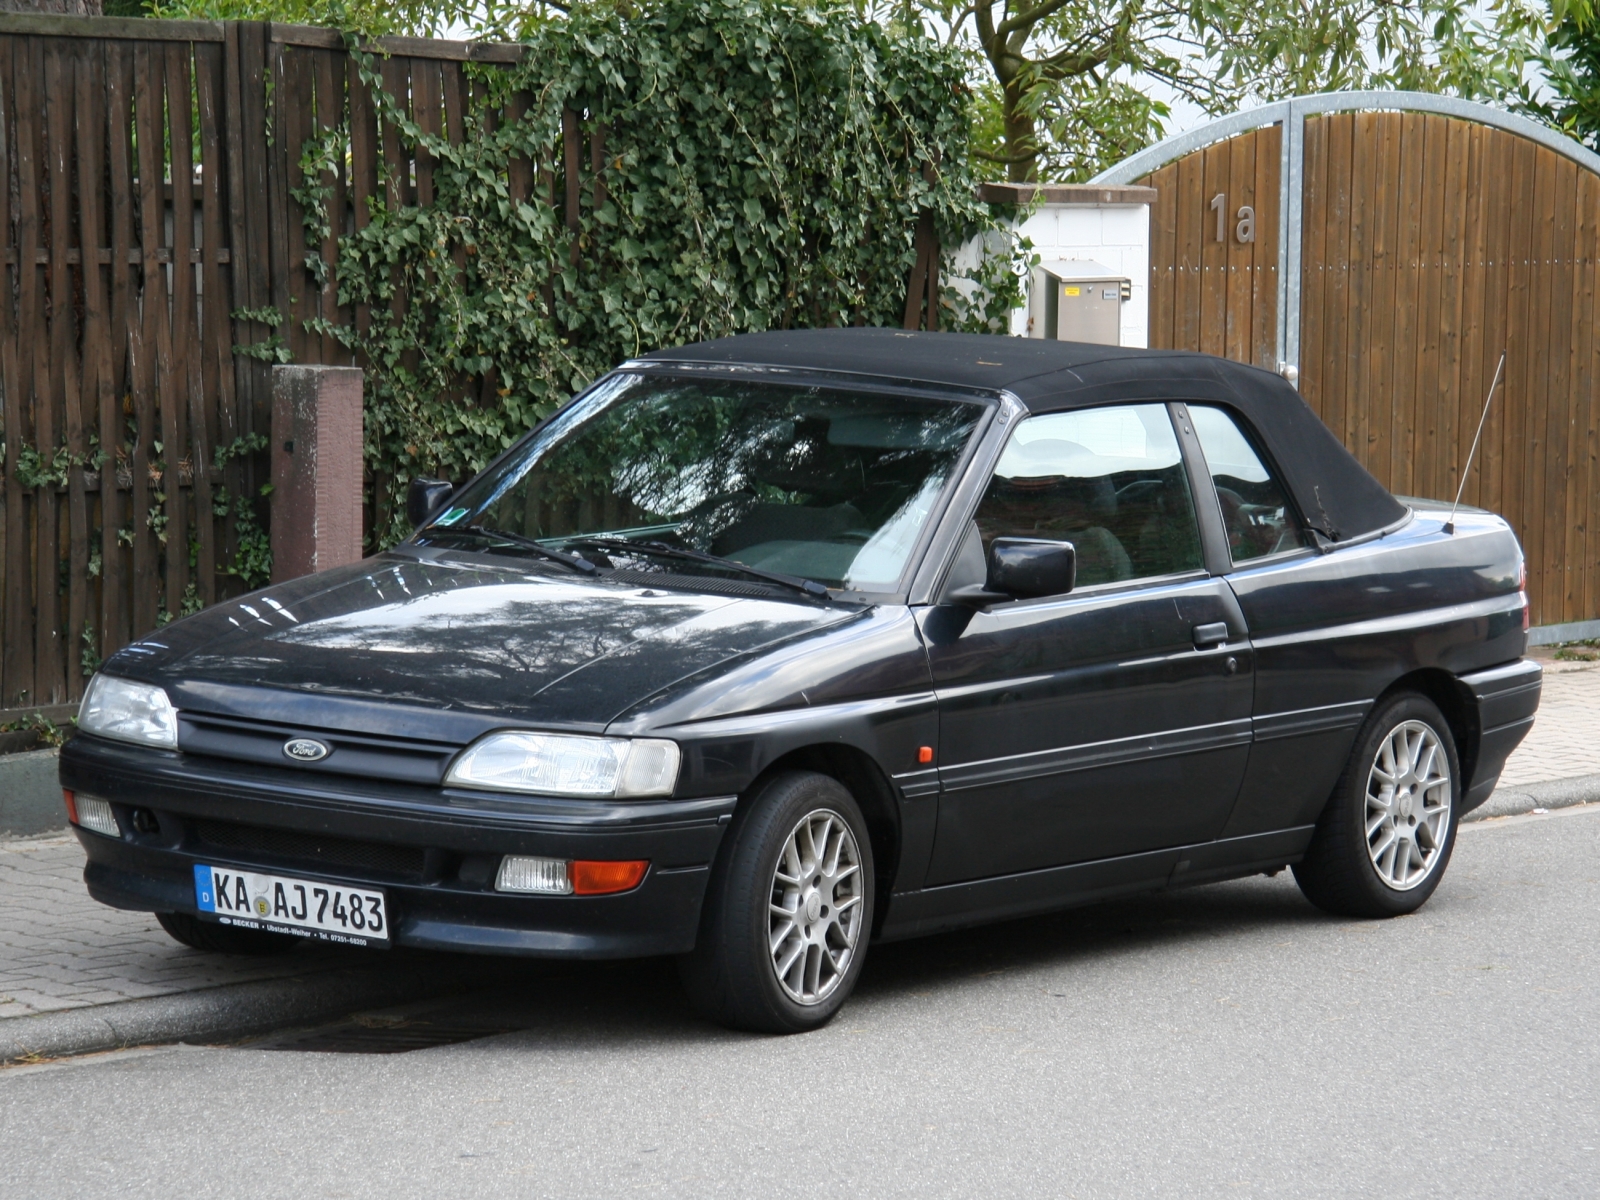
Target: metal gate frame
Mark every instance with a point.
(1291, 114)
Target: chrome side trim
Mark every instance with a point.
(1063, 760)
(914, 785)
(1300, 721)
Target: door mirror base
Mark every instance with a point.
(976, 596)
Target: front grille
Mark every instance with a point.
(311, 848)
(365, 756)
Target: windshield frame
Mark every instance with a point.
(989, 401)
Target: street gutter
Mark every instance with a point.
(234, 1011)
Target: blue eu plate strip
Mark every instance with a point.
(202, 889)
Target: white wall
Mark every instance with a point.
(1116, 236)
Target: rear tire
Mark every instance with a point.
(224, 939)
(788, 914)
(1385, 838)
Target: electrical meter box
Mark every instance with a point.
(1075, 301)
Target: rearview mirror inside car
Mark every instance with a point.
(426, 497)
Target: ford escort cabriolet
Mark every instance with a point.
(761, 650)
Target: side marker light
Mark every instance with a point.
(924, 754)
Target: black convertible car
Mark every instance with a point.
(763, 649)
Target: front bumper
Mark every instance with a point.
(435, 852)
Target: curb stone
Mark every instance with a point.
(230, 1011)
(30, 794)
(1550, 793)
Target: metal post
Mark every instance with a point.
(1291, 197)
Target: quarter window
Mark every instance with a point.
(1109, 480)
(1255, 508)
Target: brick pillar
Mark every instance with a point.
(316, 469)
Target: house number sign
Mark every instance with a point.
(1245, 228)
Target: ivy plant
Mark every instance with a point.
(765, 164)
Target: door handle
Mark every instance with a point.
(1210, 635)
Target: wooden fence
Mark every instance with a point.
(147, 175)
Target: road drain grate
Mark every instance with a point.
(401, 1030)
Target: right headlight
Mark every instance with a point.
(561, 764)
(128, 712)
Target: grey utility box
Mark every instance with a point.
(1075, 301)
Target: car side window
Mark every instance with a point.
(1109, 480)
(1255, 507)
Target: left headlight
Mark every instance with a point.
(129, 712)
(559, 764)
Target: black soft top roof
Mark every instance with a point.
(1335, 493)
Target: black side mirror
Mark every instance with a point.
(1027, 567)
(426, 497)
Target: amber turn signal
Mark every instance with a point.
(71, 802)
(600, 878)
(924, 754)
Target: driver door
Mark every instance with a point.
(1113, 719)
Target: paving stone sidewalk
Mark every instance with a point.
(1565, 740)
(60, 950)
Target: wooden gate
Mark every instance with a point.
(1420, 236)
(1214, 280)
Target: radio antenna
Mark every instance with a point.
(1450, 525)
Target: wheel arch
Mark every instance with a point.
(1459, 710)
(865, 780)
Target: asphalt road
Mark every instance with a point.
(1225, 1041)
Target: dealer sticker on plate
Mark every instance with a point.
(303, 907)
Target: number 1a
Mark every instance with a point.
(1244, 230)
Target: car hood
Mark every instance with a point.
(496, 640)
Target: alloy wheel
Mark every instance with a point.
(1408, 805)
(815, 907)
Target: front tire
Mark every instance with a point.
(224, 939)
(789, 911)
(1382, 844)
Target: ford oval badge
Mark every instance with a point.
(305, 749)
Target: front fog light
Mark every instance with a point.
(129, 712)
(522, 874)
(95, 814)
(562, 764)
(557, 877)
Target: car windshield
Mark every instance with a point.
(819, 483)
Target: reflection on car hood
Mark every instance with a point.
(467, 636)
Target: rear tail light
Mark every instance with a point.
(558, 877)
(1522, 587)
(92, 813)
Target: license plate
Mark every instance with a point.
(330, 912)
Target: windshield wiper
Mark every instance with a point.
(575, 562)
(807, 587)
